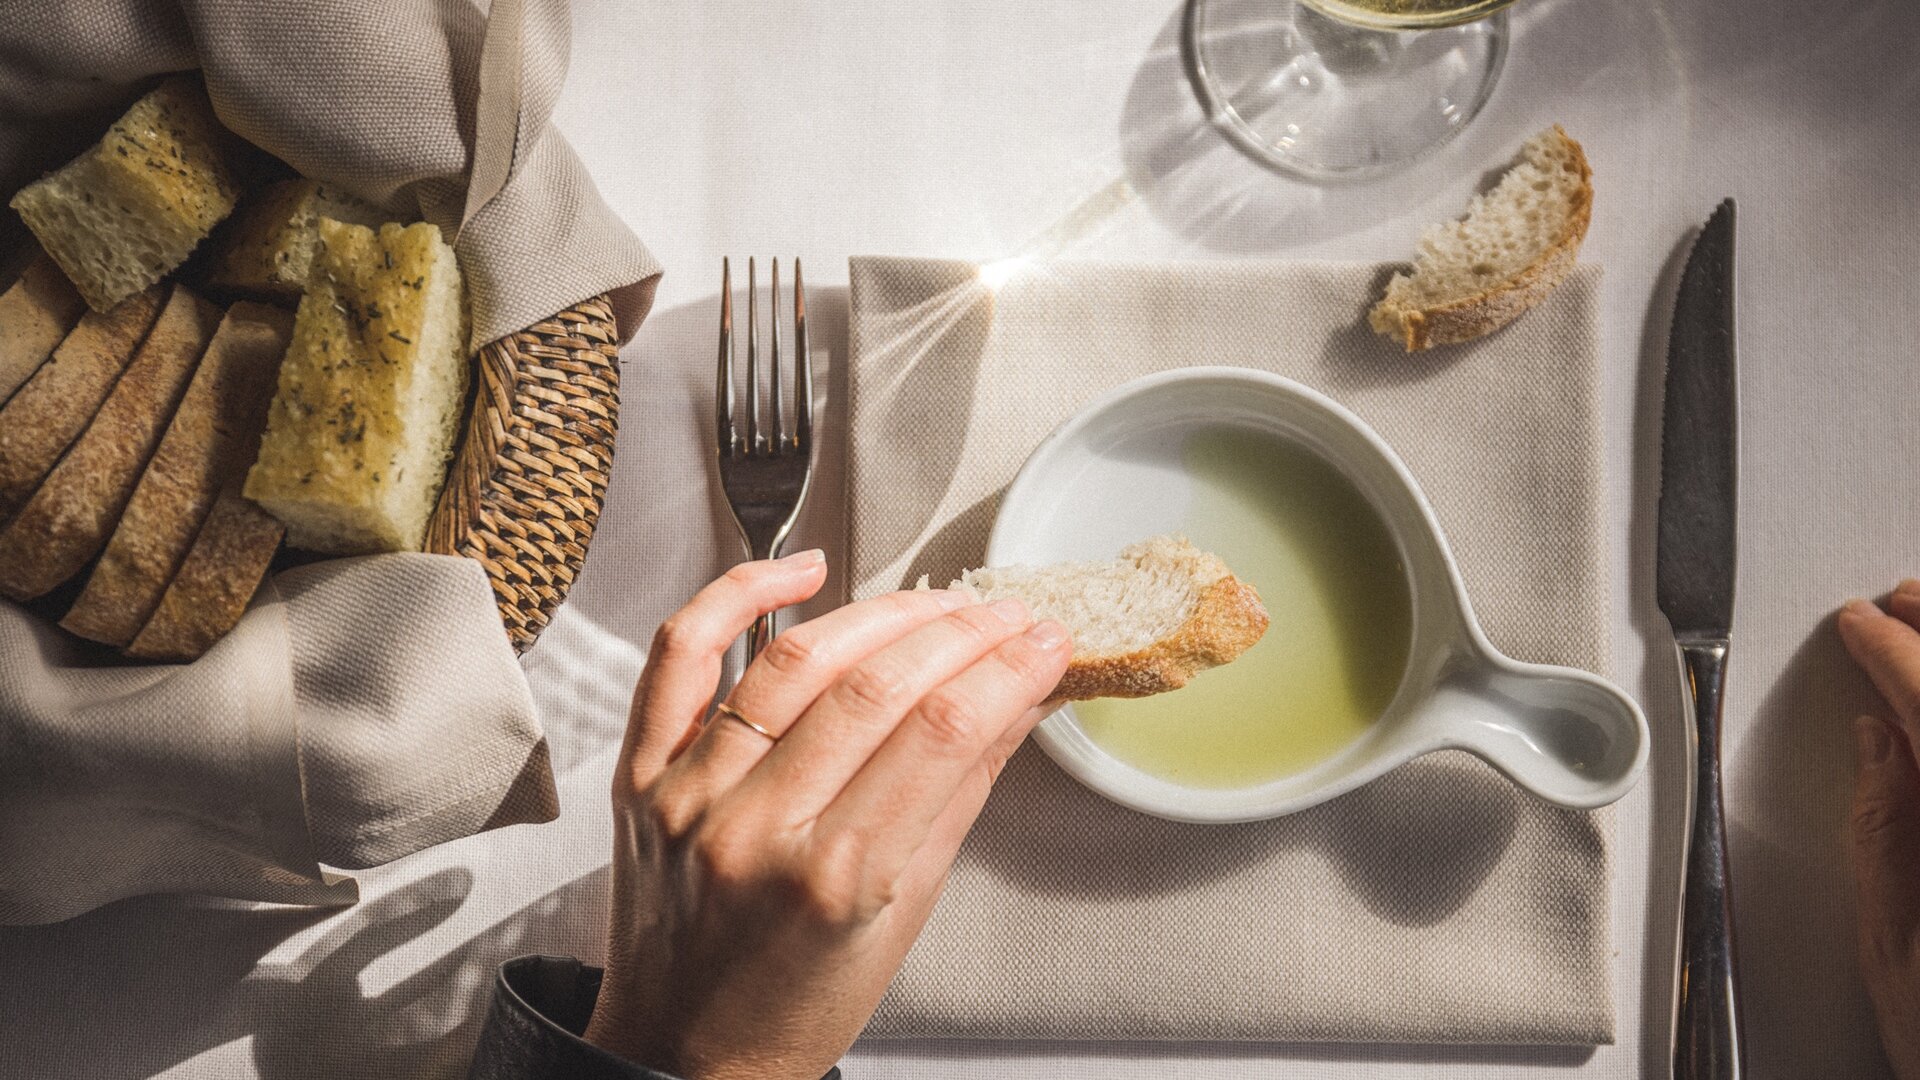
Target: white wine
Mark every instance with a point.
(1330, 575)
(1406, 14)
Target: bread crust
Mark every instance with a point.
(36, 311)
(208, 445)
(1226, 620)
(1493, 308)
(68, 519)
(213, 586)
(40, 421)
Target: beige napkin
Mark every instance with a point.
(1438, 904)
(369, 707)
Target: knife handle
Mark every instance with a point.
(1706, 1032)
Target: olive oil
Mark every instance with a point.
(1331, 577)
(1407, 14)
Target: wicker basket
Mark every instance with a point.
(528, 479)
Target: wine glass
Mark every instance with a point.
(1343, 89)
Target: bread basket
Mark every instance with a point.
(530, 473)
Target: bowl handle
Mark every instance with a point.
(1566, 735)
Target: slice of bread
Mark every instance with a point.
(44, 417)
(68, 519)
(36, 311)
(208, 446)
(1516, 243)
(219, 576)
(267, 249)
(370, 395)
(1142, 624)
(134, 205)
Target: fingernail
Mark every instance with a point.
(1048, 635)
(1011, 611)
(1860, 609)
(1874, 743)
(809, 557)
(951, 599)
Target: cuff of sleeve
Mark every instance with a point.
(541, 1005)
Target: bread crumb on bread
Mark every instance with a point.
(1513, 246)
(1143, 623)
(133, 206)
(363, 422)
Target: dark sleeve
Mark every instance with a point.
(541, 1004)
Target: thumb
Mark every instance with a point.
(1886, 837)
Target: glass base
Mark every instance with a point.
(1321, 99)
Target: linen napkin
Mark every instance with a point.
(364, 708)
(1439, 904)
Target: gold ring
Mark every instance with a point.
(724, 709)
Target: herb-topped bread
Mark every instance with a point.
(267, 249)
(1143, 623)
(131, 208)
(370, 395)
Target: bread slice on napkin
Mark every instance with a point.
(1143, 623)
(1516, 243)
(210, 591)
(208, 446)
(134, 205)
(370, 396)
(43, 418)
(36, 311)
(267, 249)
(69, 517)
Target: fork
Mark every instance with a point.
(764, 474)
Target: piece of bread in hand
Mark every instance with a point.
(43, 417)
(1143, 623)
(210, 591)
(134, 205)
(1516, 243)
(36, 312)
(267, 249)
(209, 444)
(68, 519)
(363, 423)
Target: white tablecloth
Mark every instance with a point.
(973, 129)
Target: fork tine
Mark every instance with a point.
(773, 359)
(753, 361)
(803, 366)
(723, 393)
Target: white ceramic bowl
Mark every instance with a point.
(1114, 474)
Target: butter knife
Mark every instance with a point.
(1693, 583)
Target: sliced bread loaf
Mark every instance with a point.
(370, 395)
(1516, 243)
(210, 591)
(135, 204)
(1143, 623)
(44, 417)
(268, 247)
(209, 444)
(68, 519)
(36, 311)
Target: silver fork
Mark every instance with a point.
(765, 476)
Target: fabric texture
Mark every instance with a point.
(541, 1005)
(1437, 904)
(398, 719)
(370, 707)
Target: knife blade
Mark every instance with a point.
(1693, 583)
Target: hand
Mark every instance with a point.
(1886, 819)
(766, 890)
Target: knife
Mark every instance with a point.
(1693, 582)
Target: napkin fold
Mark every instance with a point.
(1439, 904)
(362, 709)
